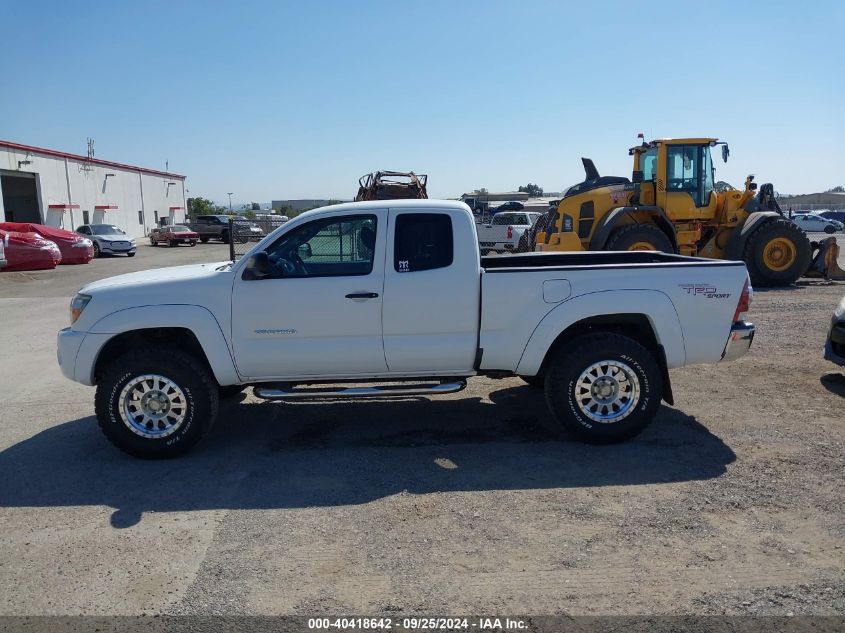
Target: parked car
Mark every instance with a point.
(108, 239)
(813, 223)
(834, 349)
(512, 205)
(29, 251)
(504, 231)
(395, 292)
(173, 235)
(75, 248)
(217, 227)
(839, 216)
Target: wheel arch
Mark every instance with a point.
(650, 319)
(613, 220)
(191, 328)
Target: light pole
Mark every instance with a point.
(230, 201)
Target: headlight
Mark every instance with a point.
(839, 313)
(77, 305)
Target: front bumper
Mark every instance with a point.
(67, 348)
(834, 347)
(115, 248)
(739, 341)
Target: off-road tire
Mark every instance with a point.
(762, 275)
(204, 240)
(576, 357)
(623, 239)
(172, 243)
(153, 242)
(538, 381)
(224, 236)
(192, 377)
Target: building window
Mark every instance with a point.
(423, 242)
(85, 216)
(141, 218)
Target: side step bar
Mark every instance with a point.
(386, 391)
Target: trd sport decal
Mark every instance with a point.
(704, 290)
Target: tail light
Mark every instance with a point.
(510, 232)
(744, 303)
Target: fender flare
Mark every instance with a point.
(738, 239)
(612, 219)
(199, 320)
(654, 305)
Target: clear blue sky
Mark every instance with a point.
(299, 99)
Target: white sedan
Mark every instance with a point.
(816, 223)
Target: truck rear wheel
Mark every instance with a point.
(156, 403)
(639, 237)
(604, 388)
(777, 253)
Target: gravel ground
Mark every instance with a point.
(730, 502)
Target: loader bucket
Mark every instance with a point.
(825, 260)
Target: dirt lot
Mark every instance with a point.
(731, 502)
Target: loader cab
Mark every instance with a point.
(677, 175)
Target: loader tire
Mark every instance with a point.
(777, 254)
(639, 237)
(604, 388)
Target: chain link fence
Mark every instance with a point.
(243, 234)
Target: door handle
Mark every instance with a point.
(362, 295)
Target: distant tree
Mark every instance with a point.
(535, 191)
(256, 206)
(201, 206)
(836, 189)
(722, 186)
(249, 214)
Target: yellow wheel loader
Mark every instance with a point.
(671, 204)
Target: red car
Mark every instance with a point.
(173, 235)
(29, 251)
(75, 248)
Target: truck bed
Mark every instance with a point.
(613, 259)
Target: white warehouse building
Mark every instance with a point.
(46, 186)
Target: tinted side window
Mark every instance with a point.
(423, 241)
(329, 247)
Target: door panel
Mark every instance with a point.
(431, 310)
(305, 325)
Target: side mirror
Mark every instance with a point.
(304, 251)
(725, 153)
(259, 265)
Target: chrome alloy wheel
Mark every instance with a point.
(607, 391)
(153, 406)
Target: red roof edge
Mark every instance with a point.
(105, 206)
(176, 208)
(62, 205)
(96, 161)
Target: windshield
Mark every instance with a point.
(105, 229)
(180, 229)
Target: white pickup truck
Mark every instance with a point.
(395, 292)
(502, 234)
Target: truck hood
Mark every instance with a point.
(156, 276)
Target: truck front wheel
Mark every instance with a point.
(156, 403)
(604, 388)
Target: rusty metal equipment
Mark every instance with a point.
(392, 185)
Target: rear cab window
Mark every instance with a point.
(422, 241)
